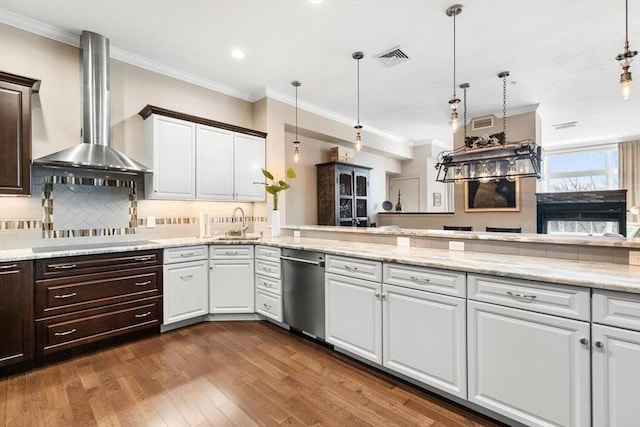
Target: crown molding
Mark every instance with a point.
(39, 28)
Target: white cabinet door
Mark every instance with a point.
(528, 366)
(186, 290)
(170, 152)
(353, 315)
(616, 377)
(231, 287)
(424, 337)
(214, 163)
(249, 160)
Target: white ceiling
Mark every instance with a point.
(560, 54)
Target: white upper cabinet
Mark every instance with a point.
(191, 159)
(170, 152)
(214, 163)
(249, 161)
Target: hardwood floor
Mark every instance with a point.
(221, 374)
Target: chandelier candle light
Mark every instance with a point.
(626, 57)
(296, 143)
(358, 56)
(454, 11)
(489, 157)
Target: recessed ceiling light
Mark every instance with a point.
(237, 53)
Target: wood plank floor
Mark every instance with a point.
(220, 374)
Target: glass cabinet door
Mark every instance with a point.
(345, 180)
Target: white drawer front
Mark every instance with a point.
(440, 281)
(558, 300)
(230, 251)
(354, 267)
(187, 253)
(269, 305)
(268, 253)
(616, 309)
(268, 268)
(269, 284)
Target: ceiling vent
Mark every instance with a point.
(566, 125)
(393, 57)
(482, 123)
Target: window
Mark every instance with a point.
(595, 168)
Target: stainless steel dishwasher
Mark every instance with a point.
(303, 291)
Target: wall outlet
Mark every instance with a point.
(634, 257)
(404, 242)
(151, 222)
(456, 246)
(296, 233)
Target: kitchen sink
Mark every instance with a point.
(238, 238)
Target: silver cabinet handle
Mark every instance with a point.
(267, 306)
(72, 294)
(517, 295)
(584, 341)
(383, 296)
(61, 334)
(231, 252)
(144, 258)
(377, 295)
(188, 276)
(420, 279)
(142, 315)
(187, 254)
(348, 267)
(148, 282)
(64, 266)
(599, 344)
(266, 269)
(8, 267)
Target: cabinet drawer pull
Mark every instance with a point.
(267, 284)
(187, 254)
(267, 306)
(188, 276)
(61, 334)
(142, 315)
(144, 258)
(420, 279)
(267, 269)
(72, 294)
(517, 295)
(599, 344)
(63, 266)
(584, 341)
(148, 282)
(348, 267)
(8, 267)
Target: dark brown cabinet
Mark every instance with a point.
(15, 133)
(16, 313)
(343, 194)
(92, 298)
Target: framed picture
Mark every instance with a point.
(494, 196)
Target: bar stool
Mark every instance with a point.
(504, 230)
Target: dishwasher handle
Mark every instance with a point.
(306, 261)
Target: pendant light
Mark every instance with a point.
(490, 157)
(454, 11)
(358, 56)
(296, 143)
(626, 57)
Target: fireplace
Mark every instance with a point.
(583, 212)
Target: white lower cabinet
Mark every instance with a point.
(231, 287)
(353, 317)
(616, 359)
(531, 367)
(424, 337)
(185, 284)
(268, 282)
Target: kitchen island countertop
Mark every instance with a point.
(615, 277)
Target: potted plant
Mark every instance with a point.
(274, 187)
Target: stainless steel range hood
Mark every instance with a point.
(94, 153)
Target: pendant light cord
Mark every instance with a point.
(358, 85)
(296, 112)
(454, 55)
(626, 22)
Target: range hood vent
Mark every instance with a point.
(94, 153)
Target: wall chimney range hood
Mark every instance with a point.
(94, 153)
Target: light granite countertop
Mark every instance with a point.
(616, 277)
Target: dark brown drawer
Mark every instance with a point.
(67, 294)
(58, 333)
(86, 264)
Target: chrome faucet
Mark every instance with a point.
(244, 226)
